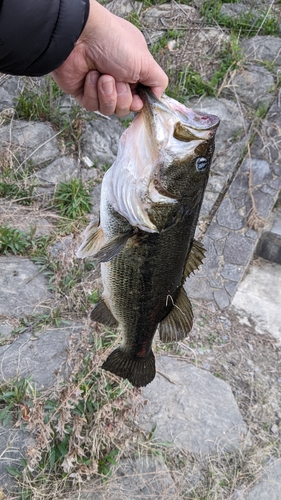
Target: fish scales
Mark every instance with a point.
(145, 238)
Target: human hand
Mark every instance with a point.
(109, 59)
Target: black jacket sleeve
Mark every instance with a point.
(36, 36)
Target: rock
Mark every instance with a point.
(233, 10)
(62, 169)
(95, 199)
(269, 486)
(259, 297)
(263, 48)
(39, 356)
(34, 141)
(5, 330)
(13, 446)
(100, 140)
(254, 85)
(192, 409)
(10, 87)
(123, 7)
(22, 218)
(23, 288)
(140, 478)
(232, 123)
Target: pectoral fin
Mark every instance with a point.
(102, 314)
(93, 242)
(179, 321)
(113, 247)
(195, 258)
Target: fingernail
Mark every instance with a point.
(107, 87)
(94, 76)
(121, 87)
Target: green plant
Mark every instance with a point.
(15, 400)
(39, 103)
(13, 240)
(72, 199)
(248, 23)
(13, 191)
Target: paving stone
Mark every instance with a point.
(254, 85)
(210, 263)
(219, 246)
(198, 288)
(140, 478)
(221, 298)
(251, 233)
(228, 217)
(232, 272)
(264, 203)
(261, 172)
(216, 232)
(238, 249)
(230, 287)
(40, 356)
(100, 140)
(192, 408)
(29, 140)
(269, 486)
(263, 48)
(22, 287)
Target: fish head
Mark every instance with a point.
(184, 141)
(163, 162)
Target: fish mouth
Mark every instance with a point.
(188, 124)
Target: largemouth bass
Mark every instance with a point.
(150, 203)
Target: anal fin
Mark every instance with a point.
(102, 314)
(194, 259)
(179, 321)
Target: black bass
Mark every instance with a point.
(150, 203)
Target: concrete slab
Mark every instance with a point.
(259, 297)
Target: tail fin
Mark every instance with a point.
(139, 371)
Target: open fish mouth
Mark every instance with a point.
(188, 124)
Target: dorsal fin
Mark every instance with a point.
(195, 258)
(179, 321)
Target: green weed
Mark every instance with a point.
(13, 191)
(248, 24)
(72, 199)
(189, 83)
(39, 103)
(15, 400)
(14, 241)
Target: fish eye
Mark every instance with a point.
(201, 164)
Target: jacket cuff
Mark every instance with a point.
(41, 35)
